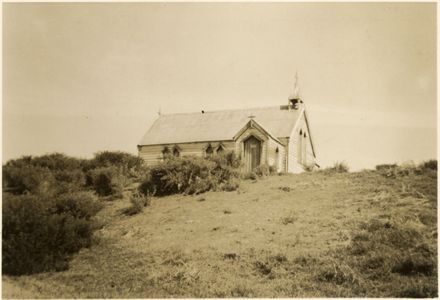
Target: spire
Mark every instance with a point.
(295, 94)
(294, 97)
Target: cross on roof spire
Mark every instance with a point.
(296, 87)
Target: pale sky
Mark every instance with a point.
(80, 78)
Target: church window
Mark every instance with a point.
(220, 149)
(176, 152)
(299, 155)
(209, 151)
(166, 152)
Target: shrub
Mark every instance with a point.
(414, 264)
(138, 202)
(338, 167)
(386, 167)
(430, 164)
(189, 175)
(69, 180)
(387, 170)
(250, 175)
(232, 185)
(52, 173)
(39, 234)
(81, 205)
(232, 159)
(418, 290)
(107, 181)
(262, 170)
(56, 162)
(128, 164)
(27, 179)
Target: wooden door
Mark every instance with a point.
(252, 153)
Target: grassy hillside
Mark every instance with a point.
(309, 235)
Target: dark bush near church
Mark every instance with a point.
(191, 175)
(129, 165)
(57, 173)
(48, 174)
(107, 181)
(49, 207)
(40, 233)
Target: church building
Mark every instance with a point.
(278, 136)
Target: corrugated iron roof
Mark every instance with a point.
(218, 125)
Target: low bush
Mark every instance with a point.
(57, 173)
(430, 164)
(414, 264)
(138, 202)
(338, 167)
(418, 290)
(231, 185)
(386, 167)
(81, 205)
(385, 248)
(27, 179)
(69, 180)
(107, 181)
(408, 169)
(190, 175)
(262, 170)
(39, 234)
(338, 274)
(128, 165)
(250, 175)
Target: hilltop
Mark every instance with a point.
(370, 233)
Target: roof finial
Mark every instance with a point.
(159, 112)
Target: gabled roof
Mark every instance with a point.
(253, 124)
(219, 125)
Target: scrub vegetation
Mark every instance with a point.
(318, 234)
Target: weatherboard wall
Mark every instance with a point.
(300, 152)
(152, 154)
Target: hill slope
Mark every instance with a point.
(307, 235)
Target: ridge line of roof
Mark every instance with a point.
(222, 110)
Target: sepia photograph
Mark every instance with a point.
(219, 150)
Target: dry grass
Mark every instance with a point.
(308, 235)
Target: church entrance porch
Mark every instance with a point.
(252, 154)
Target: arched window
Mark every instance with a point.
(299, 155)
(166, 152)
(220, 149)
(176, 152)
(209, 151)
(304, 149)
